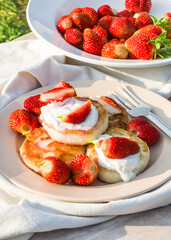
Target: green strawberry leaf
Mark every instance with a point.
(61, 117)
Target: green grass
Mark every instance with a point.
(13, 23)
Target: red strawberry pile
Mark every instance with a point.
(131, 33)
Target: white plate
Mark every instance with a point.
(42, 17)
(157, 172)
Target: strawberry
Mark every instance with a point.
(23, 121)
(143, 130)
(114, 49)
(34, 104)
(75, 10)
(105, 22)
(105, 10)
(82, 20)
(101, 32)
(150, 29)
(54, 170)
(122, 27)
(111, 102)
(138, 5)
(119, 147)
(92, 13)
(92, 42)
(73, 36)
(65, 22)
(124, 13)
(63, 84)
(57, 94)
(78, 115)
(168, 15)
(88, 10)
(140, 46)
(143, 19)
(84, 170)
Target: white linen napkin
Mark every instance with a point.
(25, 65)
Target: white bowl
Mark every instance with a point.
(42, 17)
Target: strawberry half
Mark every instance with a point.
(144, 130)
(23, 121)
(78, 115)
(111, 103)
(57, 94)
(63, 84)
(54, 170)
(119, 147)
(84, 170)
(33, 104)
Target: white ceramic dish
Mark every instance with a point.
(157, 172)
(42, 16)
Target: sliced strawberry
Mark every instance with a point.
(84, 170)
(119, 147)
(33, 104)
(63, 84)
(144, 130)
(23, 121)
(78, 115)
(105, 10)
(111, 103)
(57, 94)
(54, 170)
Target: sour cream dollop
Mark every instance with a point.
(127, 167)
(51, 112)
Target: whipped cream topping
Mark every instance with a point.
(127, 167)
(51, 112)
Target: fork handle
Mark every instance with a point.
(159, 123)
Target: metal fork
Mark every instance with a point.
(136, 107)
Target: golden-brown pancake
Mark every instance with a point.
(38, 145)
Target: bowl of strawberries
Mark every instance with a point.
(126, 33)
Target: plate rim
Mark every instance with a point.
(89, 189)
